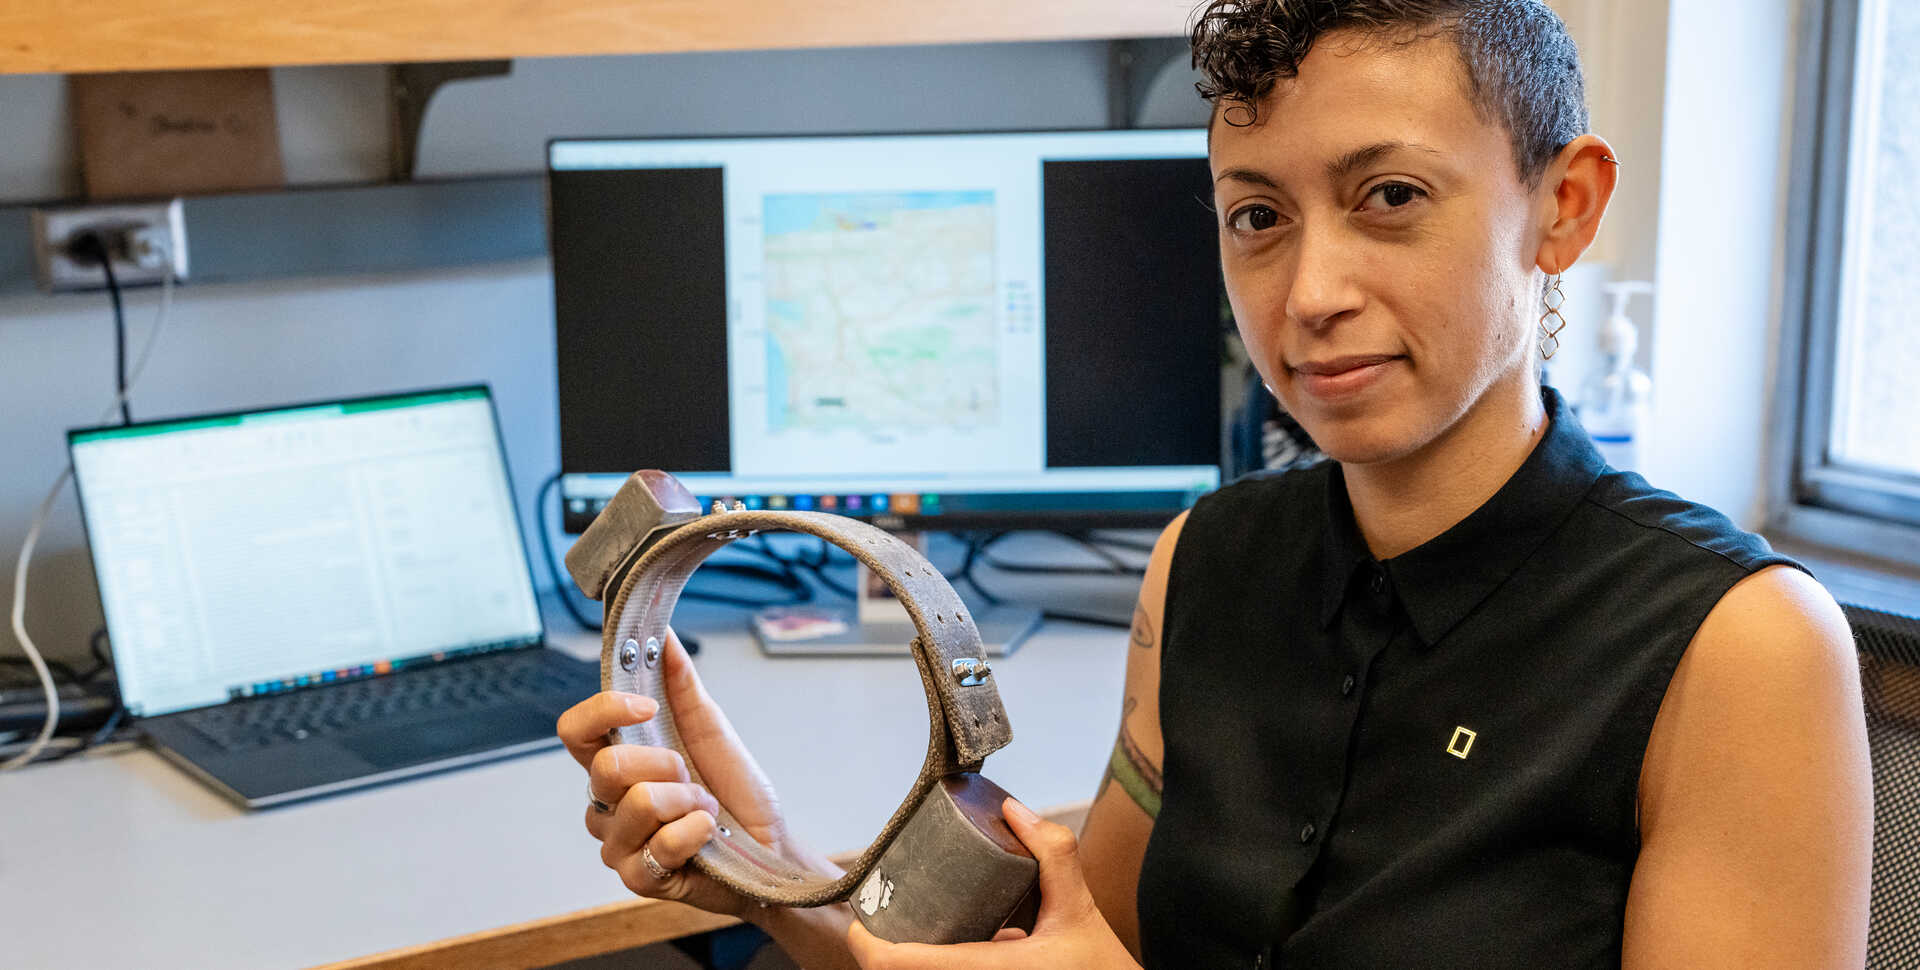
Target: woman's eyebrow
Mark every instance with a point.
(1341, 168)
(1249, 176)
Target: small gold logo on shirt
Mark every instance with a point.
(1462, 743)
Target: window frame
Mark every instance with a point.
(1813, 497)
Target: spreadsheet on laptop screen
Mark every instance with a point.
(242, 552)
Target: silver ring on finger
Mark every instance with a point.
(598, 805)
(653, 865)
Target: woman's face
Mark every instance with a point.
(1378, 246)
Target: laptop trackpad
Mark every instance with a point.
(438, 738)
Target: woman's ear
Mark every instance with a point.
(1574, 194)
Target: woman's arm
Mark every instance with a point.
(1115, 836)
(1756, 798)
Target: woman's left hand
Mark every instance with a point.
(1068, 934)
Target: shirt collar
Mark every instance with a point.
(1443, 580)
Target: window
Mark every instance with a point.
(1851, 366)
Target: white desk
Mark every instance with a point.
(121, 860)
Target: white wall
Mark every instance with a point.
(1623, 46)
(1721, 242)
(1696, 98)
(248, 345)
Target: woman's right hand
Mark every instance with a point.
(656, 806)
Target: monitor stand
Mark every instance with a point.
(878, 624)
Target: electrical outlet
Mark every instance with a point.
(142, 239)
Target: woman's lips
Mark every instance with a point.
(1343, 376)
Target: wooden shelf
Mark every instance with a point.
(120, 35)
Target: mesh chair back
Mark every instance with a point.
(1889, 648)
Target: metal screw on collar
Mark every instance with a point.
(653, 652)
(629, 654)
(970, 672)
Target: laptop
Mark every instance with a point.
(309, 599)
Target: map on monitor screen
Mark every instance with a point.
(880, 311)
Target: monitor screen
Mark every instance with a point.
(932, 331)
(254, 553)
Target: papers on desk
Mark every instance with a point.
(792, 624)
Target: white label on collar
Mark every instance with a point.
(876, 893)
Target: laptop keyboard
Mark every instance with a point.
(467, 685)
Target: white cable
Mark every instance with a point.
(20, 626)
(19, 615)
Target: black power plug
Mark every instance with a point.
(89, 247)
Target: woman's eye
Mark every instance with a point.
(1254, 218)
(1395, 195)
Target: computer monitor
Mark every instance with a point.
(933, 331)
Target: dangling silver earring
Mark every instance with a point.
(1551, 322)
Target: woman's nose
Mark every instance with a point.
(1320, 288)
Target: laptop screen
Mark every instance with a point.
(261, 552)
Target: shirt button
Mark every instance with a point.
(1378, 583)
(1306, 833)
(1346, 686)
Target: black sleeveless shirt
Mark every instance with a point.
(1431, 761)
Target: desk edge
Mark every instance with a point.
(611, 928)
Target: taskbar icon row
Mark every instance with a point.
(857, 504)
(378, 668)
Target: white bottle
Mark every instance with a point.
(1613, 401)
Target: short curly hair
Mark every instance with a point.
(1522, 69)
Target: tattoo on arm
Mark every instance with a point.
(1129, 768)
(1142, 633)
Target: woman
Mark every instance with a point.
(1462, 696)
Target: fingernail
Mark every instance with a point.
(1021, 812)
(643, 706)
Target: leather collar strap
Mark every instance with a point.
(966, 719)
